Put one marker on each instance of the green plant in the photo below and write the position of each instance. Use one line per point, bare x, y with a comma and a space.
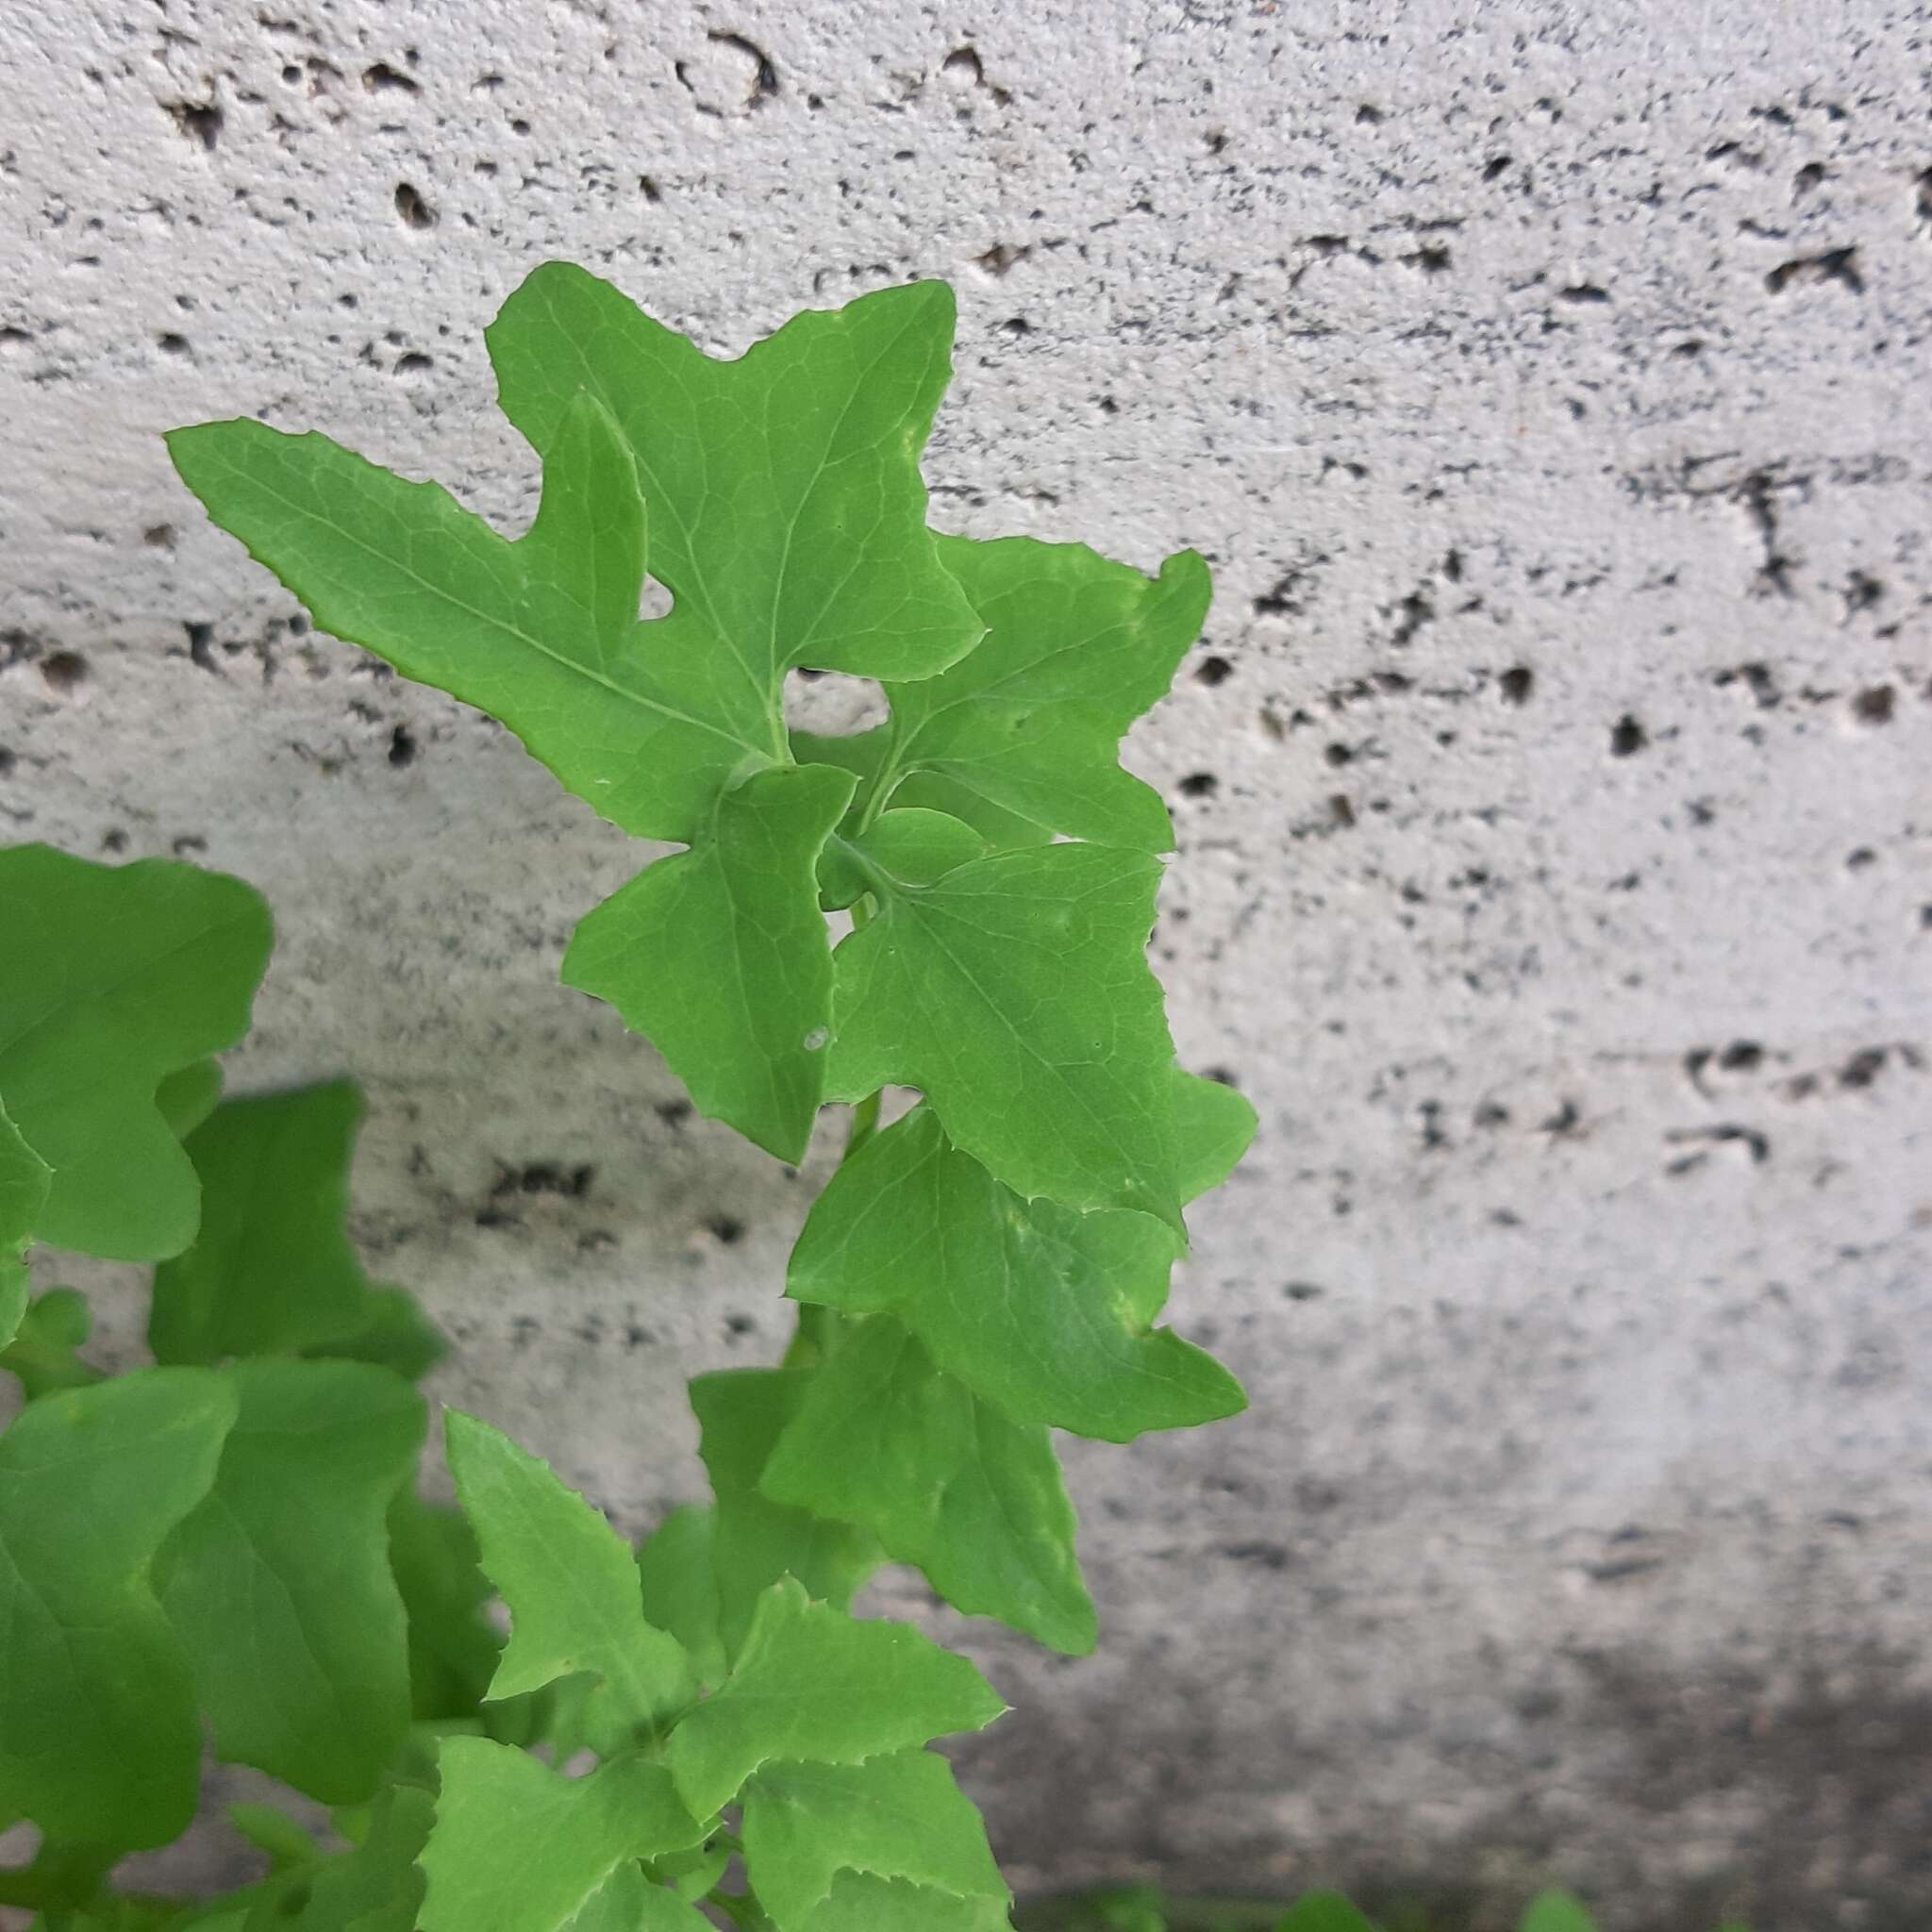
983, 1268
1142, 1908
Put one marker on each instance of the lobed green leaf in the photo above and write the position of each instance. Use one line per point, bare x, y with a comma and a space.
434, 1555
1045, 1312
1014, 990
742, 1413
720, 956
812, 1684
629, 1902
944, 1479
516, 1847
278, 1584
862, 1903
271, 1270
675, 1567
376, 1887
99, 1739
118, 976
815, 553
1077, 647
898, 1816
815, 550
43, 1355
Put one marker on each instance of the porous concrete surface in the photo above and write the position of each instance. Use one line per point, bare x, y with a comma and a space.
1548, 385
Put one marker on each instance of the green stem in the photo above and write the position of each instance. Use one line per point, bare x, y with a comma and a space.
885, 781
865, 1115
816, 1325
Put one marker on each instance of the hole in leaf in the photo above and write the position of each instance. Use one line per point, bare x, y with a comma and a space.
831, 704
654, 601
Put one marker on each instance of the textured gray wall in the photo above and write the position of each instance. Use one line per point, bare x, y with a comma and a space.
1549, 388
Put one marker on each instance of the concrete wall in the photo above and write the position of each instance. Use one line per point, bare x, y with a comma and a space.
1549, 387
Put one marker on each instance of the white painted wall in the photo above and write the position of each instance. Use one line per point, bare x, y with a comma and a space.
1543, 381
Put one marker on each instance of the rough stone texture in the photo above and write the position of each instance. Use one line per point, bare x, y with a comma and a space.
1548, 385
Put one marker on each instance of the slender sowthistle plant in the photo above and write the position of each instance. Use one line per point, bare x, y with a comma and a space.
984, 1269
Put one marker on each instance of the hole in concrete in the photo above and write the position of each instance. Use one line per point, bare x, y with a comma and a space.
414, 211
1213, 671
199, 121
1840, 265
64, 672
1627, 737
764, 81
1862, 1068
402, 747
383, 78
1876, 706
961, 69
1003, 258
1517, 683
1200, 785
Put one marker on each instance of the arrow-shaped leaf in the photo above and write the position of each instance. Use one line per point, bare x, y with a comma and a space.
719, 957
571, 1586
